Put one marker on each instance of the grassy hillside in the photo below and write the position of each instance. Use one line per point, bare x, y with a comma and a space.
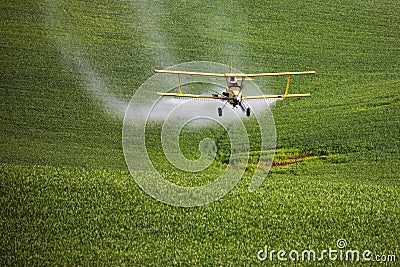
68, 69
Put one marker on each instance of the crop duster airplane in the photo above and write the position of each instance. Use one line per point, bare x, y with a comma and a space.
233, 93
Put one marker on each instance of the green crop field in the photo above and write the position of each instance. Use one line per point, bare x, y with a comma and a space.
69, 68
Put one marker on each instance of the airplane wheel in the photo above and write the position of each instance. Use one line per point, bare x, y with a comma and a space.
248, 112
220, 112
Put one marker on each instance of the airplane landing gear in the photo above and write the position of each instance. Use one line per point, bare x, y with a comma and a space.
245, 109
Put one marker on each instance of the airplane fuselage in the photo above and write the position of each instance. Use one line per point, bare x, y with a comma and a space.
235, 95
233, 91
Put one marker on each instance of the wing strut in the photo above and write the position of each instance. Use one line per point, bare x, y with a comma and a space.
287, 85
179, 83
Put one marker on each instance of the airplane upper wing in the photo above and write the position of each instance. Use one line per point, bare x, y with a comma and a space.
270, 74
191, 73
243, 75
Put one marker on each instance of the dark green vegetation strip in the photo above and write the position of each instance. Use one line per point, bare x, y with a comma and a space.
67, 67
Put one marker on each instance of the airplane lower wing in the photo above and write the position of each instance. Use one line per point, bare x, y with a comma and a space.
193, 96
226, 98
274, 96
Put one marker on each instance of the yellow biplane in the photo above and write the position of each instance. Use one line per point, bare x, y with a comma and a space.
233, 93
